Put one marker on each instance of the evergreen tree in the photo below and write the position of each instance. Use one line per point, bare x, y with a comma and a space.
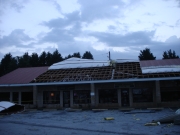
67, 57
170, 55
49, 60
87, 55
77, 55
34, 60
56, 57
146, 55
24, 61
42, 59
8, 64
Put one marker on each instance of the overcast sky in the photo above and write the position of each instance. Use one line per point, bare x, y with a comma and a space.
123, 27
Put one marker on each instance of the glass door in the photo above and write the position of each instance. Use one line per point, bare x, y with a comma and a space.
125, 97
66, 99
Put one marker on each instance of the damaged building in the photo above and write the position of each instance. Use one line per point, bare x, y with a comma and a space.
83, 83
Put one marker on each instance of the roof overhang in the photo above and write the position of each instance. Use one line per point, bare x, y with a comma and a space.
88, 82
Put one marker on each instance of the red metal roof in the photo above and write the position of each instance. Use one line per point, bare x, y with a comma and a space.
166, 62
22, 75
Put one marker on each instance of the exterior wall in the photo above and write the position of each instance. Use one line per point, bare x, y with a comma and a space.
105, 86
172, 90
84, 87
157, 87
60, 89
150, 85
19, 90
16, 89
40, 90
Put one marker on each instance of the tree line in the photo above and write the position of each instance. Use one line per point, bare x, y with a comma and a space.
10, 63
147, 55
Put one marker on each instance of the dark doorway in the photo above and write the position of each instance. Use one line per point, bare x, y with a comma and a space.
66, 99
125, 97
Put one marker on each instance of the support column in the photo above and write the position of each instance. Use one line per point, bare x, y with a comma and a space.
93, 99
119, 97
158, 93
71, 98
39, 98
61, 98
35, 96
11, 97
96, 97
130, 97
19, 102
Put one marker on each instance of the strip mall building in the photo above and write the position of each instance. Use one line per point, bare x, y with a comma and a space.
82, 83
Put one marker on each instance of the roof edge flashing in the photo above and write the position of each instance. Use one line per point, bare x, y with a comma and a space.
87, 82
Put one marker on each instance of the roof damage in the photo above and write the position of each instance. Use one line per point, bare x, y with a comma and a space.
76, 70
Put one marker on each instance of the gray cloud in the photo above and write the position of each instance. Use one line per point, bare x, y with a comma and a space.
15, 38
178, 3
129, 39
63, 30
57, 35
134, 40
59, 28
69, 19
100, 9
149, 14
172, 43
17, 5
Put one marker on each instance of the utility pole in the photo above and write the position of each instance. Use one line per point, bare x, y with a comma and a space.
109, 56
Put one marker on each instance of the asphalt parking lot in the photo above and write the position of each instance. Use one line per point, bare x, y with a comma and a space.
61, 122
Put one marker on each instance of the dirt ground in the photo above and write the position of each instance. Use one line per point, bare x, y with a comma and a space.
61, 122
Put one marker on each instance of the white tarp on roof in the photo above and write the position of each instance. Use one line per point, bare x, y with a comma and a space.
160, 69
78, 63
5, 104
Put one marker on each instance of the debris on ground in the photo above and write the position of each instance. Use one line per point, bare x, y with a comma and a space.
126, 109
151, 124
177, 120
108, 118
178, 111
156, 109
72, 110
140, 111
169, 125
99, 110
174, 118
10, 108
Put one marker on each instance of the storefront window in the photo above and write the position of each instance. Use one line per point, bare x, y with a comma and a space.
27, 97
51, 97
170, 94
15, 97
142, 95
4, 96
81, 97
108, 96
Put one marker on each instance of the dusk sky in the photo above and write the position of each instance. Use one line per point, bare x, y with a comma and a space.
123, 27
